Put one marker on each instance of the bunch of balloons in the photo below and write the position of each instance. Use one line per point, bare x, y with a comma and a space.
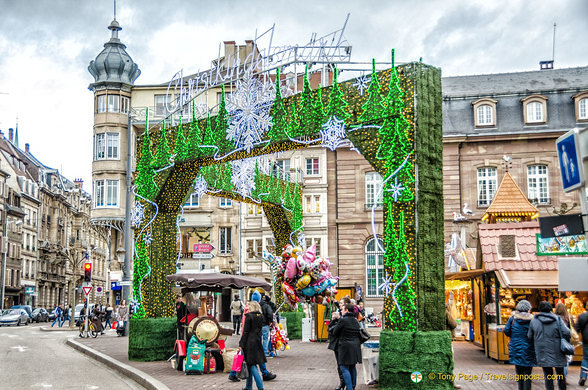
302, 274
279, 338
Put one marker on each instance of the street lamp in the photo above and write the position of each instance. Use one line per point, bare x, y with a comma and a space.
4, 250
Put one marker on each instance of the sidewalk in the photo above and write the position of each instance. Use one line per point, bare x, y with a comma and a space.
305, 366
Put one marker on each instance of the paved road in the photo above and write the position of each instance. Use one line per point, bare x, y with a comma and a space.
32, 359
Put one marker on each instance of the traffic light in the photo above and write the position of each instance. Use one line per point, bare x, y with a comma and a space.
87, 272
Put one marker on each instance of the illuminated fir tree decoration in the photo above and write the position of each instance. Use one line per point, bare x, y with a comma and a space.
140, 270
279, 128
337, 104
306, 110
163, 152
320, 116
146, 186
219, 136
294, 123
209, 138
181, 148
373, 108
194, 136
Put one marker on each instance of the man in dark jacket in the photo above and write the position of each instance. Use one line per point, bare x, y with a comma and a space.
582, 329
546, 331
268, 316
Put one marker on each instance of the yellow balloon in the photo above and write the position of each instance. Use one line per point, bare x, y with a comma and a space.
296, 250
303, 282
287, 347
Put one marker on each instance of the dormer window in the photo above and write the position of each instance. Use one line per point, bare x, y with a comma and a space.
534, 109
485, 112
581, 104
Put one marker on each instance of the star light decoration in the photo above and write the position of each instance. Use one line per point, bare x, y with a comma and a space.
243, 176
396, 189
137, 213
362, 83
200, 186
387, 284
333, 133
249, 111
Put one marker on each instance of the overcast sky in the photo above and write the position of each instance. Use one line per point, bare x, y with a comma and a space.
45, 48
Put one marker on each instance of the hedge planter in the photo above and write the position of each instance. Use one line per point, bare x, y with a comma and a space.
402, 353
294, 324
151, 339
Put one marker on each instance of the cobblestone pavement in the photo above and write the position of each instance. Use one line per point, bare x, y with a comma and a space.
312, 366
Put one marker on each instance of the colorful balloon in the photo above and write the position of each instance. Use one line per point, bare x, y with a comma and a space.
310, 254
291, 268
303, 282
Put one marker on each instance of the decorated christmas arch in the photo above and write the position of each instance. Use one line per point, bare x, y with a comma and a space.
392, 117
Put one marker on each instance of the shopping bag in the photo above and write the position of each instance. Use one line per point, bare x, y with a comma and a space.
244, 373
195, 357
114, 325
237, 362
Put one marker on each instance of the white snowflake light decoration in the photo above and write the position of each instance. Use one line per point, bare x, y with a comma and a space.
200, 186
301, 240
249, 110
362, 83
243, 176
137, 213
386, 285
147, 239
396, 189
333, 133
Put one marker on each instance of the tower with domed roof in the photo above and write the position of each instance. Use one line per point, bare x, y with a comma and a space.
114, 73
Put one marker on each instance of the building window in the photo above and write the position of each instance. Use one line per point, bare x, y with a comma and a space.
314, 241
487, 185
282, 169
254, 249
106, 193
581, 103
373, 187
507, 247
270, 245
100, 103
224, 240
193, 200
113, 103
485, 112
312, 166
253, 209
537, 183
534, 109
125, 103
161, 102
374, 260
225, 202
106, 146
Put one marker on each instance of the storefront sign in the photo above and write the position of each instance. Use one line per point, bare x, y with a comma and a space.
30, 290
114, 286
203, 248
563, 245
561, 225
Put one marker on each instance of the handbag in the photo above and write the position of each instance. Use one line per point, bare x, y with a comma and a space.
244, 373
237, 362
565, 347
363, 335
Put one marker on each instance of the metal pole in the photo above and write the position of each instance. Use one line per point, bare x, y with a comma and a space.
4, 239
128, 239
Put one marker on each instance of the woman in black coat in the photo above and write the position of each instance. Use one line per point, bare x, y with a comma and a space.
251, 346
521, 351
348, 345
333, 343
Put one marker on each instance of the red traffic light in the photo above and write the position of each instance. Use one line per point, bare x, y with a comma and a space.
88, 267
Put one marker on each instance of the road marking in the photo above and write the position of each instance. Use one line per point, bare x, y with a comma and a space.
43, 385
20, 348
92, 387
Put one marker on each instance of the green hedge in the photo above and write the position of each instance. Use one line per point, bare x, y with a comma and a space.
402, 353
151, 339
294, 323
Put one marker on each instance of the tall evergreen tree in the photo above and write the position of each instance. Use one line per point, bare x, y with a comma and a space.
163, 151
306, 110
373, 107
279, 128
181, 148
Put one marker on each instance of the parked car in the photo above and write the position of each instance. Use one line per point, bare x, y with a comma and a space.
77, 311
28, 309
15, 317
40, 315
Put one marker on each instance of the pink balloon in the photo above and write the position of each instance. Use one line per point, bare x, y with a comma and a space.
310, 254
291, 268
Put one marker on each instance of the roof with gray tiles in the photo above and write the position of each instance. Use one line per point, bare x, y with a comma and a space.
558, 85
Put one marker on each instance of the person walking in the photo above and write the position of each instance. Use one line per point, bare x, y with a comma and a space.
521, 351
268, 316
333, 343
236, 311
582, 329
256, 297
562, 312
250, 344
546, 330
96, 318
57, 312
108, 317
66, 316
348, 345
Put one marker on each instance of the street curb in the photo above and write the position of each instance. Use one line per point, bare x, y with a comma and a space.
138, 376
53, 329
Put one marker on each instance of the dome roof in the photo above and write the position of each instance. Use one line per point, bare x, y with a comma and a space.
113, 65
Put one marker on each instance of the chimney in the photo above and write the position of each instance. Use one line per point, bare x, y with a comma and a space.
78, 182
27, 149
10, 134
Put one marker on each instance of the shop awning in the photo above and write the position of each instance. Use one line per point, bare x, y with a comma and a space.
214, 281
528, 279
464, 275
